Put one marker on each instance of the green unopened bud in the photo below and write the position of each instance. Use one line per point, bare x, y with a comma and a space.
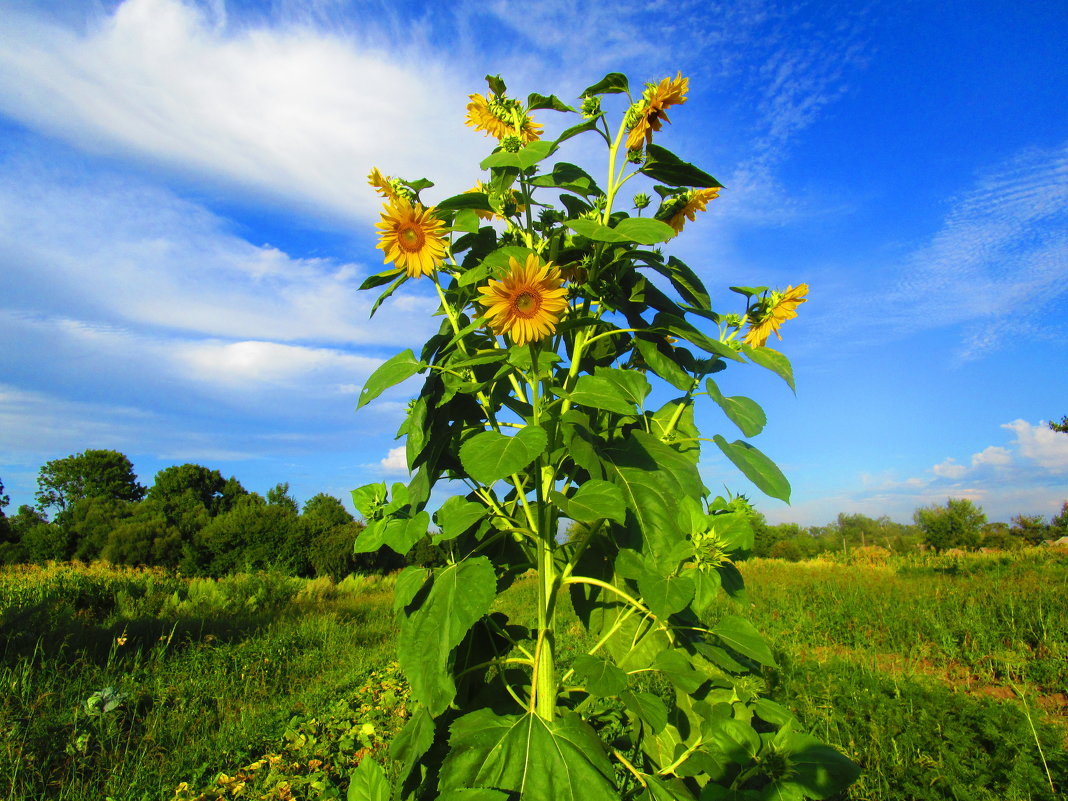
635, 156
548, 216
633, 115
511, 143
591, 106
400, 189
734, 320
641, 200
600, 202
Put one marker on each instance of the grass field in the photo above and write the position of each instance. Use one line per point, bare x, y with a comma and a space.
943, 678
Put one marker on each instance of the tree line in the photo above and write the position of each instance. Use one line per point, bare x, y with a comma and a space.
959, 523
91, 506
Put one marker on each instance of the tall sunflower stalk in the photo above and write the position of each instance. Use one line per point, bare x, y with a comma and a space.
538, 408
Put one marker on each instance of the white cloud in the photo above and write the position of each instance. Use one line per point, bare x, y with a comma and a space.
298, 113
992, 455
1000, 262
949, 469
395, 461
1041, 444
102, 247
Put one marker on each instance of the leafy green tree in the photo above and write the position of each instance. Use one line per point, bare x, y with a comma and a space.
322, 512
6, 532
996, 535
207, 486
1031, 529
45, 542
1058, 524
278, 495
254, 535
89, 522
92, 474
1062, 426
958, 524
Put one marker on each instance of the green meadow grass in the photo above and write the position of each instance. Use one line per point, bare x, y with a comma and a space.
936, 676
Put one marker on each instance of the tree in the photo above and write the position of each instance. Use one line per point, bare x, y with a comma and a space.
5, 526
1062, 426
90, 521
1058, 524
278, 495
956, 525
92, 474
1031, 529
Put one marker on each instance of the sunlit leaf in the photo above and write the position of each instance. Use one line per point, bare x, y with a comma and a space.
757, 467
459, 595
537, 759
402, 366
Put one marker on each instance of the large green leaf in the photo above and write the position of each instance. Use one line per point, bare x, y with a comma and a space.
540, 760
473, 794
743, 412
570, 177
457, 515
648, 708
612, 83
599, 392
677, 326
398, 533
632, 385
653, 478
772, 360
739, 634
599, 676
468, 200
663, 165
489, 456
403, 365
642, 230
757, 467
536, 101
596, 500
526, 157
645, 230
666, 595
459, 595
663, 365
818, 770
412, 741
368, 782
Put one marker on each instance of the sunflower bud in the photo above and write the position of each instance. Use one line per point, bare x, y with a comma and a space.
641, 200
591, 106
511, 143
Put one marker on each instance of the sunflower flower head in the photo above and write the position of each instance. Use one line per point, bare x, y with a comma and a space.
772, 312
500, 116
411, 237
527, 303
644, 116
389, 188
688, 204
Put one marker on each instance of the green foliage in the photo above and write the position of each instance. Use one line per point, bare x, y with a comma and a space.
274, 688
540, 399
958, 524
92, 474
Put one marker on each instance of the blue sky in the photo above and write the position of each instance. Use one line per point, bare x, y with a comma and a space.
184, 220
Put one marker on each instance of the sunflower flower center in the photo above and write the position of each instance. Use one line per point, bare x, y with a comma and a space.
410, 237
526, 304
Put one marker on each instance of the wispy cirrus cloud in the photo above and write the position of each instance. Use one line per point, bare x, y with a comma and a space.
294, 113
999, 264
110, 249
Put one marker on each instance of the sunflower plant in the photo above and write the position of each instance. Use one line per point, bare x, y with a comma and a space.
558, 396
